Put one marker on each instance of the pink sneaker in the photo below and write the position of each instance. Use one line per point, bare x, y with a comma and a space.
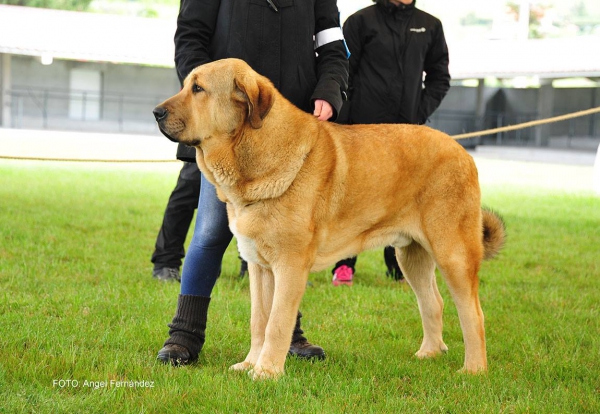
342, 276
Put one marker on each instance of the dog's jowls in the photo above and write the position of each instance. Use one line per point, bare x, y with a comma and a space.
302, 194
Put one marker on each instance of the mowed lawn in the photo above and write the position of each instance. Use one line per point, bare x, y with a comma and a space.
81, 318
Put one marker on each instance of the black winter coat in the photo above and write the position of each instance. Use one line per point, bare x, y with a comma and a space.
391, 46
278, 44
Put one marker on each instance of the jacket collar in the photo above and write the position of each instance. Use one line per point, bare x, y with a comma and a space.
390, 8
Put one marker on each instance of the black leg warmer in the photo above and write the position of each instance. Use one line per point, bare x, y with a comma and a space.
188, 325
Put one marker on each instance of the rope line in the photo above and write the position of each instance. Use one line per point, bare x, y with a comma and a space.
9, 157
528, 124
459, 136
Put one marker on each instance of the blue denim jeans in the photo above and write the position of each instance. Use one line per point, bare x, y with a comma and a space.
202, 264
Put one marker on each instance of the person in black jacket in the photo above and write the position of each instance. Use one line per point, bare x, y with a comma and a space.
392, 44
169, 247
299, 46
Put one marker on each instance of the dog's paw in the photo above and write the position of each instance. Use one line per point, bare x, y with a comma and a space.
258, 373
431, 351
473, 369
241, 366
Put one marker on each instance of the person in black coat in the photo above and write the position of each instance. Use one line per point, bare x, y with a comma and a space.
392, 44
299, 46
169, 247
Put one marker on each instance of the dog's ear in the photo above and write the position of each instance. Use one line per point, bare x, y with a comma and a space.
257, 92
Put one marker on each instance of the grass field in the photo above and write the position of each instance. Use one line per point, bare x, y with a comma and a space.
81, 316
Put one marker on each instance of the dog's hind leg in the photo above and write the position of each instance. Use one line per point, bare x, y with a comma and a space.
418, 268
459, 264
261, 294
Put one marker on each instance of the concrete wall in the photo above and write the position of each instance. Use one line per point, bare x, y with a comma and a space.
40, 95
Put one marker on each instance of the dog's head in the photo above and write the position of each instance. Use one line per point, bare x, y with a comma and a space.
218, 99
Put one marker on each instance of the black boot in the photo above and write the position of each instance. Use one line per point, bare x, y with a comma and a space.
300, 346
186, 333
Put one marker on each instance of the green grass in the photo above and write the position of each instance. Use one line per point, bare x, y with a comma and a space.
78, 303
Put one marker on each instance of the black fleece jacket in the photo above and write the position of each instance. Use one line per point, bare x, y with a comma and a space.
391, 46
274, 37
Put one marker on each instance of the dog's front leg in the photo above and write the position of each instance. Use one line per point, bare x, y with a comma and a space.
289, 286
261, 298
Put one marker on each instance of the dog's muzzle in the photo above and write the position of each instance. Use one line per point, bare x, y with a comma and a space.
160, 114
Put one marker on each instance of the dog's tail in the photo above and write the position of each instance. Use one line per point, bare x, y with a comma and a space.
494, 233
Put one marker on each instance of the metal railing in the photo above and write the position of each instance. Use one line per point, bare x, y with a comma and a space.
82, 110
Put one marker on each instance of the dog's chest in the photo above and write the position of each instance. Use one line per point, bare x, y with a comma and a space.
246, 245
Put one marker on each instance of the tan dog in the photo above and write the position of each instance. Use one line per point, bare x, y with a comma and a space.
302, 194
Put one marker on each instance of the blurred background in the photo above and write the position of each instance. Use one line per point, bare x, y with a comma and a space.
102, 65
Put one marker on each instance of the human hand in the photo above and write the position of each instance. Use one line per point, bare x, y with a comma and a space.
323, 110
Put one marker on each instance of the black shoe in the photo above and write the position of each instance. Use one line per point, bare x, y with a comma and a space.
304, 349
395, 274
243, 268
167, 274
175, 355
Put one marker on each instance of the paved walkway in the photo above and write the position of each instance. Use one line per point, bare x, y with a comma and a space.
84, 145
545, 155
540, 168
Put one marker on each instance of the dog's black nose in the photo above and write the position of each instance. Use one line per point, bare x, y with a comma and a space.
160, 113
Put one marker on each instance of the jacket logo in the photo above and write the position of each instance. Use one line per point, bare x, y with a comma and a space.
419, 30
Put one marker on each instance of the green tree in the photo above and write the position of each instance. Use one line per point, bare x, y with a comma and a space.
537, 12
78, 5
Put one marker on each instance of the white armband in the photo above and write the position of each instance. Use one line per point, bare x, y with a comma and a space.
328, 36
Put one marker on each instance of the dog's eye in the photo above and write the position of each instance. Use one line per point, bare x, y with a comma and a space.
196, 88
